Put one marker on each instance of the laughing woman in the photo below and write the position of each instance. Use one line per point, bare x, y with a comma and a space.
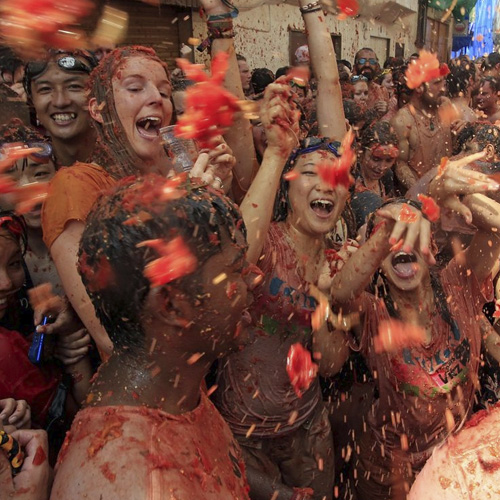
426, 385
129, 101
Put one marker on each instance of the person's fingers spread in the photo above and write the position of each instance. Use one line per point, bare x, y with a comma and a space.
397, 232
467, 159
454, 204
411, 236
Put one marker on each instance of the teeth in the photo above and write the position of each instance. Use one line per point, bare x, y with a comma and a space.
149, 121
62, 117
323, 203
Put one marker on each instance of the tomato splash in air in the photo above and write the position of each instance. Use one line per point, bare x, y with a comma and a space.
29, 26
429, 207
348, 8
175, 261
393, 335
291, 175
407, 215
209, 106
424, 69
337, 172
300, 368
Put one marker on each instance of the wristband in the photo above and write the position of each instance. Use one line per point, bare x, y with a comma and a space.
310, 7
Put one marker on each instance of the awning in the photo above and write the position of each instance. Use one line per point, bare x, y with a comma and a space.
461, 41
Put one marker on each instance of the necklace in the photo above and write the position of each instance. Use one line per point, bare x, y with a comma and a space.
427, 119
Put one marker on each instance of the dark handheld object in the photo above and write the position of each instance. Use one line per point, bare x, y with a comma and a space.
36, 348
14, 452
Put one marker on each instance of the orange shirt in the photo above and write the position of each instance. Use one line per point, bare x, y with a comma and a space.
72, 194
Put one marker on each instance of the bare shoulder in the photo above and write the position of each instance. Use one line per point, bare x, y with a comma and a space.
402, 121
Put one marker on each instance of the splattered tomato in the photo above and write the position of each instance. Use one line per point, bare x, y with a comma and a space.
300, 368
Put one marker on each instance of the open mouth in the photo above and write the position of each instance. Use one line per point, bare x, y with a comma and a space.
322, 208
148, 126
405, 265
63, 118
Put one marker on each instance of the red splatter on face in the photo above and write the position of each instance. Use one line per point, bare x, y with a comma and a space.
338, 172
300, 368
40, 456
209, 107
291, 176
429, 207
176, 260
424, 69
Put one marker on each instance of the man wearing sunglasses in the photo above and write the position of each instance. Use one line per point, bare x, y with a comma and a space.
56, 89
366, 64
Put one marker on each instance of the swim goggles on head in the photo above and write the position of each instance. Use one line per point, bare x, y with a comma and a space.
358, 78
43, 154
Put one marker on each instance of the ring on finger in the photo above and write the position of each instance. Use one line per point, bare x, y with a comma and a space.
219, 180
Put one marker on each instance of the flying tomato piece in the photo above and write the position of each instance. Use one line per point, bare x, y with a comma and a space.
424, 69
429, 207
407, 215
27, 197
210, 107
175, 261
300, 368
348, 7
338, 172
291, 175
393, 335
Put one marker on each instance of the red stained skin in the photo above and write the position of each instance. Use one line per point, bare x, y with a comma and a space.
291, 176
40, 456
112, 430
106, 472
209, 107
429, 207
300, 368
159, 462
176, 260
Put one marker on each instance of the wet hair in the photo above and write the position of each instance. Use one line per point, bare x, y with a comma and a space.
458, 80
113, 151
282, 71
491, 61
261, 78
345, 62
307, 145
487, 133
17, 131
15, 225
494, 84
466, 134
379, 132
239, 57
352, 111
112, 265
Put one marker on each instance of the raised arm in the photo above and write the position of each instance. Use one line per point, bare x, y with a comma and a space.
403, 172
330, 111
280, 120
239, 136
483, 252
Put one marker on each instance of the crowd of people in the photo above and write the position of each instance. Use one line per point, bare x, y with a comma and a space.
178, 387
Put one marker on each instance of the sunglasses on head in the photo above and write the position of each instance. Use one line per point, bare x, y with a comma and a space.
364, 60
358, 78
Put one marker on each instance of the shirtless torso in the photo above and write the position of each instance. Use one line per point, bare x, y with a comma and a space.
423, 141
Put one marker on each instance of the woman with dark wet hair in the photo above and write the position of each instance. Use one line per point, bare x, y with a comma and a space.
146, 409
426, 375
378, 152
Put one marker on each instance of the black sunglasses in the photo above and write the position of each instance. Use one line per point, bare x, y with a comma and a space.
363, 60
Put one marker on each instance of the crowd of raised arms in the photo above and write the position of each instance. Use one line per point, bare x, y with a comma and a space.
251, 329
